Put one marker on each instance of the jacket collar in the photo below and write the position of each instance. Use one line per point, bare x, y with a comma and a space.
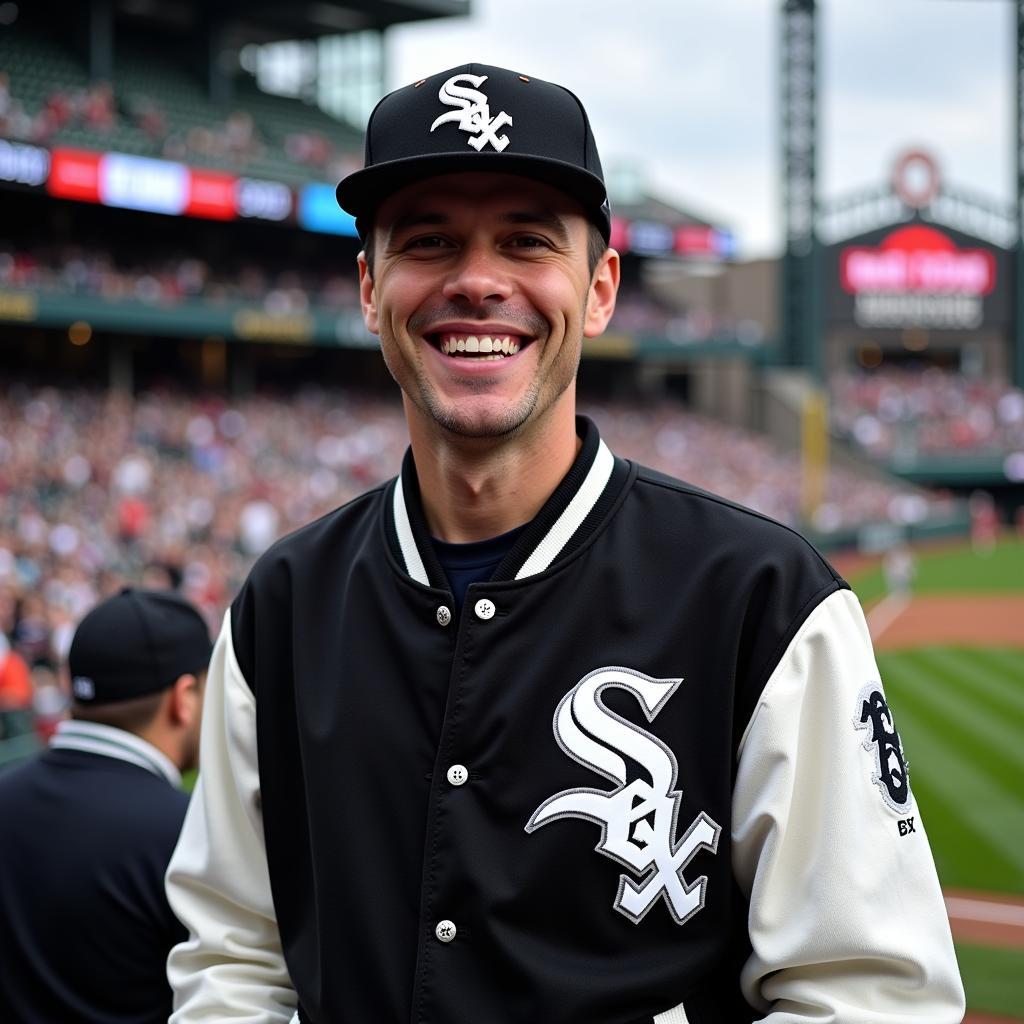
575, 509
94, 738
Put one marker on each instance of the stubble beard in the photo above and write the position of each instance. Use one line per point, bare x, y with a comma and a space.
504, 423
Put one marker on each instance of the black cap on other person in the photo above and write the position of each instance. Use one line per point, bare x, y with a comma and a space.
134, 644
478, 118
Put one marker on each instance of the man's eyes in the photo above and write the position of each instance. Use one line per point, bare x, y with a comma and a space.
427, 242
440, 242
529, 242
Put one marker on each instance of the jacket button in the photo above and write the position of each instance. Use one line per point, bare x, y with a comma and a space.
444, 615
445, 931
484, 609
457, 774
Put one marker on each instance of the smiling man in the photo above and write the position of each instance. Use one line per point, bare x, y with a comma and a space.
532, 733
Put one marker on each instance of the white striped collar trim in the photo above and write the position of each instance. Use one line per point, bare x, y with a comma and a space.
94, 738
410, 553
573, 515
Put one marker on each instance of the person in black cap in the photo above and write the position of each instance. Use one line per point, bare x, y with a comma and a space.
532, 733
88, 826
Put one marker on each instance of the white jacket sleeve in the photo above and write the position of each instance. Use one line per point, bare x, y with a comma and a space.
231, 967
847, 921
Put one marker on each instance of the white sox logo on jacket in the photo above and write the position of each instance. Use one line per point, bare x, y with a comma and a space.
628, 833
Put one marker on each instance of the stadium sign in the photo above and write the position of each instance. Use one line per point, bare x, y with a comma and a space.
918, 275
160, 186
662, 240
22, 164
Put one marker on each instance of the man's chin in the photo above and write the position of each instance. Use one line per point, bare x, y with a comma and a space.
481, 424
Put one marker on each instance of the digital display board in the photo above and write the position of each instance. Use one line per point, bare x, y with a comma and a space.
177, 190
22, 164
163, 186
658, 239
918, 275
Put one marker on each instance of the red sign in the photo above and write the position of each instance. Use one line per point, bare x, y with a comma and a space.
211, 194
619, 234
696, 238
917, 259
74, 174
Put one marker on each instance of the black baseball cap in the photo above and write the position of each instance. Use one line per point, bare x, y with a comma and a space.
478, 118
136, 643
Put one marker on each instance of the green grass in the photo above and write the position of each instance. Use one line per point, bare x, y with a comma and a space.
960, 713
993, 979
955, 570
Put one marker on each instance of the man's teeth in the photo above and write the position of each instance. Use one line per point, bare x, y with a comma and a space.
494, 348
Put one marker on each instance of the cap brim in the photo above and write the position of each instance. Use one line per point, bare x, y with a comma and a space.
363, 191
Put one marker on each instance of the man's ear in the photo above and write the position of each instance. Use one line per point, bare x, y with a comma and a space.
367, 295
604, 286
185, 704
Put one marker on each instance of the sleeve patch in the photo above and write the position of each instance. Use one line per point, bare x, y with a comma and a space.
889, 769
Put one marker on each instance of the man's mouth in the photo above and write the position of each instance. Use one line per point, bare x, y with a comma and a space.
477, 346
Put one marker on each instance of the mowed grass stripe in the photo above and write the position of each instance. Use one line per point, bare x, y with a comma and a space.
993, 979
990, 739
1008, 661
996, 682
966, 852
964, 680
973, 823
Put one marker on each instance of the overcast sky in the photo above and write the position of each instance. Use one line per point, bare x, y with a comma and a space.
686, 91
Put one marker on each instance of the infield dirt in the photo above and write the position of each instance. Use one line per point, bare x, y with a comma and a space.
969, 620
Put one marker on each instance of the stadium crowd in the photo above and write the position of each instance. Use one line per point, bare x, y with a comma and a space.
904, 413
177, 278
80, 270
99, 489
98, 108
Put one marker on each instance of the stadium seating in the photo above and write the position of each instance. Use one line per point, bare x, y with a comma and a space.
186, 124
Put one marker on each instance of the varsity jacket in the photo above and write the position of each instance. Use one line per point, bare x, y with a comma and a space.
647, 774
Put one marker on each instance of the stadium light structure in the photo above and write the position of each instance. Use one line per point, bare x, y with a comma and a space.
800, 318
800, 309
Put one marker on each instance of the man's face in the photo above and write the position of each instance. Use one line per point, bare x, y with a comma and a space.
482, 295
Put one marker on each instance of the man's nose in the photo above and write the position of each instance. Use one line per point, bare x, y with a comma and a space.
479, 275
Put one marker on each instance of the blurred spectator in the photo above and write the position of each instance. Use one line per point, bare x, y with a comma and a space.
15, 684
903, 414
240, 136
98, 110
899, 570
309, 148
984, 522
148, 117
5, 96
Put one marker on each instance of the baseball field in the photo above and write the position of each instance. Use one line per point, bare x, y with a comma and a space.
951, 655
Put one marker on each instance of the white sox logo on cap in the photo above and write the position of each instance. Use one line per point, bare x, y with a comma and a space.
474, 113
638, 819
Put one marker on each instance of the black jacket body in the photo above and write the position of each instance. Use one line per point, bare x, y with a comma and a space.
85, 926
365, 698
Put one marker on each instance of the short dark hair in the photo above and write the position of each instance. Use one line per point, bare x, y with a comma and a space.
596, 246
132, 715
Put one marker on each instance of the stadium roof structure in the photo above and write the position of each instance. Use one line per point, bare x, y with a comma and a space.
257, 21
648, 207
